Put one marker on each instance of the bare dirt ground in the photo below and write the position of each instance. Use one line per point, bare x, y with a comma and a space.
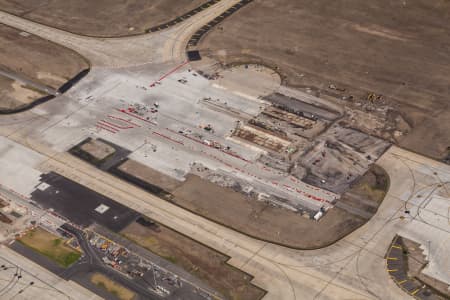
112, 287
149, 175
339, 157
195, 258
262, 220
98, 149
346, 51
37, 59
366, 194
101, 17
13, 94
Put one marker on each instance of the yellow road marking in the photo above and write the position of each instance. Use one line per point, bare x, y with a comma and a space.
392, 258
415, 292
395, 246
393, 270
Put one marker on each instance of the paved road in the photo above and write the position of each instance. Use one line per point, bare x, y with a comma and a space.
95, 263
47, 286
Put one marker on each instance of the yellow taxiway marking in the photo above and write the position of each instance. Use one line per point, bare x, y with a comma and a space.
415, 292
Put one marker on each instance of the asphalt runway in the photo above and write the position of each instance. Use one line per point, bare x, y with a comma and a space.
78, 203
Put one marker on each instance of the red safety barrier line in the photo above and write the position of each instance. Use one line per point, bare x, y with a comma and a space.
289, 188
167, 137
123, 120
117, 126
135, 116
169, 73
107, 126
210, 146
104, 128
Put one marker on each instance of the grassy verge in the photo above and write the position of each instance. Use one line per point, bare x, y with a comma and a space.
50, 246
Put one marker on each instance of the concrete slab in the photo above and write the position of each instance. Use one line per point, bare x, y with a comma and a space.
17, 160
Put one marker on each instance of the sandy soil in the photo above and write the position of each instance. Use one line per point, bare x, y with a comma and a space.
100, 17
366, 194
150, 175
33, 59
13, 94
395, 49
98, 149
37, 59
262, 220
197, 259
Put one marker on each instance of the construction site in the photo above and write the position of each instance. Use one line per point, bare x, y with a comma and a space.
286, 151
338, 52
224, 149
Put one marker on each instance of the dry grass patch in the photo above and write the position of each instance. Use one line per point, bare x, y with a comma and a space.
100, 17
112, 287
50, 246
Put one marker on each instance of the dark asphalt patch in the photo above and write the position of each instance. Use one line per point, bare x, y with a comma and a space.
78, 203
298, 107
64, 88
69, 84
397, 267
112, 163
27, 106
194, 55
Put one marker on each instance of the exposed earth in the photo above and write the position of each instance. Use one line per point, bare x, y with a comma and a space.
267, 222
100, 18
31, 66
38, 59
14, 94
386, 61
